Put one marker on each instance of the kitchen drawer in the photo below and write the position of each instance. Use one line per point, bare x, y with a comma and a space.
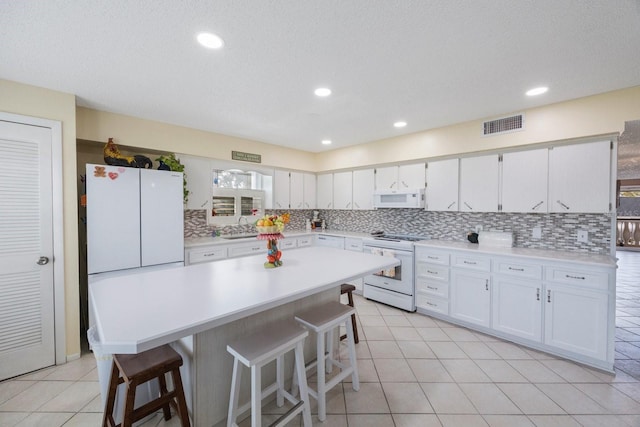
243, 250
438, 289
352, 244
471, 261
432, 271
432, 256
530, 271
206, 255
305, 241
431, 303
582, 278
287, 243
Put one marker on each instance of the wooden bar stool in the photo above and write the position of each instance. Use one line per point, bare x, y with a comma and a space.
256, 350
348, 289
323, 320
136, 369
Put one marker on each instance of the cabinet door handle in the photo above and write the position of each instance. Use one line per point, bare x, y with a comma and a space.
562, 204
537, 294
393, 184
328, 205
348, 204
486, 284
537, 205
467, 205
405, 184
452, 203
356, 205
549, 296
568, 276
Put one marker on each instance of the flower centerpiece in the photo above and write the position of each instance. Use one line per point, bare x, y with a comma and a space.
270, 228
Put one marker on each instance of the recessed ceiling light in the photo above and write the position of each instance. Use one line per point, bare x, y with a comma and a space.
400, 124
537, 91
322, 91
326, 142
210, 40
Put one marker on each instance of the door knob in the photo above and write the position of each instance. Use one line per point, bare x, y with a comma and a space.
43, 260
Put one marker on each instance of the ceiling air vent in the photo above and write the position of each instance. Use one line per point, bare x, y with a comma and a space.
503, 125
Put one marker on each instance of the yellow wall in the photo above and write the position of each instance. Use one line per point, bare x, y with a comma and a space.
94, 125
594, 115
47, 104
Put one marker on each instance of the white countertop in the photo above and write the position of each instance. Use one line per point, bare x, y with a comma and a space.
193, 242
542, 254
141, 311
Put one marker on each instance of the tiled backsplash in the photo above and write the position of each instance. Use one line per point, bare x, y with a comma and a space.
558, 230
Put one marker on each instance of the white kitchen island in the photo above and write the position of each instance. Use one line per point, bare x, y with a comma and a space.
217, 302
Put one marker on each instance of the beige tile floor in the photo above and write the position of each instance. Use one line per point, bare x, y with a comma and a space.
414, 371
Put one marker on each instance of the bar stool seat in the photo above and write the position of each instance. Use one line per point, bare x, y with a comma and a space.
347, 288
323, 320
136, 369
255, 351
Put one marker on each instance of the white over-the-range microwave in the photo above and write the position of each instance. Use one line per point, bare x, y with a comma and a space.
404, 198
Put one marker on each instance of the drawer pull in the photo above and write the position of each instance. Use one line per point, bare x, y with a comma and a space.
469, 262
432, 257
516, 269
568, 276
432, 272
537, 294
432, 304
432, 288
209, 254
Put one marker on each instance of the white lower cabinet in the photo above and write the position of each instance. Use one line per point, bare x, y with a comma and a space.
576, 320
471, 296
517, 307
355, 245
559, 304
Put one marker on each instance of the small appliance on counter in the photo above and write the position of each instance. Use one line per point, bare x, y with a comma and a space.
316, 223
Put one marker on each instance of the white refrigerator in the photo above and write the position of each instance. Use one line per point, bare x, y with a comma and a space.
135, 223
135, 218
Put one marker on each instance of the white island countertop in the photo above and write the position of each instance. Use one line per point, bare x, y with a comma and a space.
141, 311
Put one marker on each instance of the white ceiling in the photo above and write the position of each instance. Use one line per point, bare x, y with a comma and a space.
428, 62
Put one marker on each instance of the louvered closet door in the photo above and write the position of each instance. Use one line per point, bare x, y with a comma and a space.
26, 235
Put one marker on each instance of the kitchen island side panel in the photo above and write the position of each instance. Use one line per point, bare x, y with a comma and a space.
213, 365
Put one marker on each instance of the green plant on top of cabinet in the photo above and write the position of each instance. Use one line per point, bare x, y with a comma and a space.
400, 177
479, 183
442, 185
580, 177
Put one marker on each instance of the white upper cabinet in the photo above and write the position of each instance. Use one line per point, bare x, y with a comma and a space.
343, 190
442, 185
580, 177
411, 176
296, 190
309, 190
524, 181
325, 191
363, 186
198, 175
400, 177
479, 184
387, 178
281, 189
